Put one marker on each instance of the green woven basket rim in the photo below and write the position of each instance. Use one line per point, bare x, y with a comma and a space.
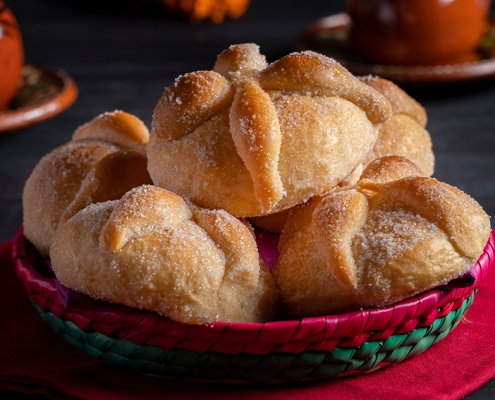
250, 368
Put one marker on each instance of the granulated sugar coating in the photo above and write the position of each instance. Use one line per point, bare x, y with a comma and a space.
53, 185
150, 250
384, 241
255, 139
377, 242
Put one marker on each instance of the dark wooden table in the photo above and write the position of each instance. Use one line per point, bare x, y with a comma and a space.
123, 53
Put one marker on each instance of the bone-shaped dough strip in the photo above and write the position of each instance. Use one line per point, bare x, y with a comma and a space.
400, 101
312, 74
335, 240
110, 179
242, 265
256, 134
452, 210
189, 102
141, 208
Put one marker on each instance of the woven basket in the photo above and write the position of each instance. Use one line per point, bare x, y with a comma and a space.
311, 348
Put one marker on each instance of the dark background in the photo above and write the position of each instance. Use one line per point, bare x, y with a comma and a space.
122, 54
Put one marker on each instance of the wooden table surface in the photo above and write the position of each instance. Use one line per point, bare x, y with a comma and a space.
123, 53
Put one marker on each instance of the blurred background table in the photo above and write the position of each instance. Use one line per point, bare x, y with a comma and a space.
123, 53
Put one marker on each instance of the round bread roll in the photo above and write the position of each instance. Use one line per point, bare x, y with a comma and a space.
404, 134
152, 251
104, 160
256, 139
377, 243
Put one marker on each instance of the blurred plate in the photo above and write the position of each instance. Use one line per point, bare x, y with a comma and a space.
43, 93
330, 36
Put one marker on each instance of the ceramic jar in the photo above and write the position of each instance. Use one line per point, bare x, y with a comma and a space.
417, 32
11, 56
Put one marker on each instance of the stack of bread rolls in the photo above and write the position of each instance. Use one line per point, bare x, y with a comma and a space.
339, 166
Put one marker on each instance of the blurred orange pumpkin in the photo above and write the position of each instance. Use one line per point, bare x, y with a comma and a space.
11, 56
418, 32
215, 10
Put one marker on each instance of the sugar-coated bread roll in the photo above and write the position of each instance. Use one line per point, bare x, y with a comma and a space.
150, 250
104, 160
256, 139
404, 134
376, 243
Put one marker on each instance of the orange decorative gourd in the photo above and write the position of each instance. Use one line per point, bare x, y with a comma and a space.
11, 56
215, 10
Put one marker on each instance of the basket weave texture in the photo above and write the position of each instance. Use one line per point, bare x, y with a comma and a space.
311, 348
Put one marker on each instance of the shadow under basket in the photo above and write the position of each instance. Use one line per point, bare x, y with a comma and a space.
312, 348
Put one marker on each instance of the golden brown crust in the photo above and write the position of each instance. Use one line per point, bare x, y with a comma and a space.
314, 74
376, 243
150, 250
298, 217
255, 140
189, 102
390, 168
117, 127
109, 179
86, 170
336, 249
404, 134
383, 169
353, 177
254, 124
400, 101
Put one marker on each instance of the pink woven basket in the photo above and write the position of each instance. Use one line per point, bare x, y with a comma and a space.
311, 348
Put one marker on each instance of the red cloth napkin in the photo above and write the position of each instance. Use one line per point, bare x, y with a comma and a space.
34, 359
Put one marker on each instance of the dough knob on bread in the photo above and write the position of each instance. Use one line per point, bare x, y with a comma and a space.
150, 250
263, 137
237, 57
378, 242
